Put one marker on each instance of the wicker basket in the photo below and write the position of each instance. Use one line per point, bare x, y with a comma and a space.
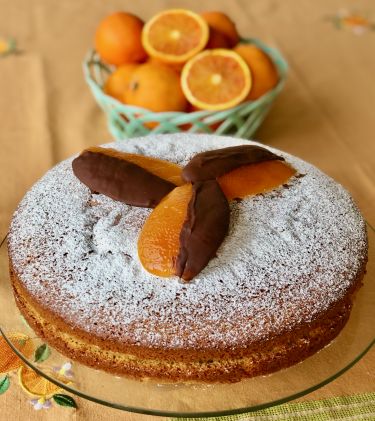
126, 121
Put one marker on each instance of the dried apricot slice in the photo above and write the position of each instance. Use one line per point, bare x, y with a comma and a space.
255, 178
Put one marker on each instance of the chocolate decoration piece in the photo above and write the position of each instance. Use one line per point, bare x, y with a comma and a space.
212, 164
104, 171
204, 229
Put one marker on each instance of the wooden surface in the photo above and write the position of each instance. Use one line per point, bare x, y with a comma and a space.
325, 115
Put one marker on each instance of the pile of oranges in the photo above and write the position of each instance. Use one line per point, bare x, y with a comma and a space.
181, 61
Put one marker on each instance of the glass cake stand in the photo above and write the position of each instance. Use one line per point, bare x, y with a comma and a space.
195, 400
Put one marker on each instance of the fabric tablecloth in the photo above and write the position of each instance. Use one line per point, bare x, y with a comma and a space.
325, 115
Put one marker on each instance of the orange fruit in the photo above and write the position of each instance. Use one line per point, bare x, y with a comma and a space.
263, 71
177, 67
175, 35
36, 385
118, 81
118, 39
159, 240
217, 40
254, 179
156, 88
8, 359
216, 79
220, 22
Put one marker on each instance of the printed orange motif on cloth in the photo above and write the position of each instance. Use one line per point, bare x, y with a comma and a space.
38, 387
8, 359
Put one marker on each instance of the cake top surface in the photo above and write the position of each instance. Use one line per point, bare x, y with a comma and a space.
289, 254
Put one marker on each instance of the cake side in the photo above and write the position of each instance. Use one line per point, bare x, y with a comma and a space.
194, 365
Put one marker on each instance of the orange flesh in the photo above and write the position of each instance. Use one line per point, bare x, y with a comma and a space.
175, 34
255, 179
163, 169
216, 79
159, 241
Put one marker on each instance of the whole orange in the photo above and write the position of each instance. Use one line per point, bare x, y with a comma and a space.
222, 23
118, 39
155, 87
118, 81
263, 71
177, 67
217, 40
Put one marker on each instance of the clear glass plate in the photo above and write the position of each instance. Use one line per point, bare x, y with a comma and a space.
196, 400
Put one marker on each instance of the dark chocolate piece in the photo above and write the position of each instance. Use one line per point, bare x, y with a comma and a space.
212, 164
204, 229
104, 172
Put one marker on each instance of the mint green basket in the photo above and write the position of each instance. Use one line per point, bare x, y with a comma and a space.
125, 121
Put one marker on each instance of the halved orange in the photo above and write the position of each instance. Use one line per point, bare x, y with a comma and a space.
216, 79
175, 35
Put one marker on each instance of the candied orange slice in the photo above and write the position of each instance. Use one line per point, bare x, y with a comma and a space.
8, 359
254, 179
164, 169
216, 79
175, 35
159, 241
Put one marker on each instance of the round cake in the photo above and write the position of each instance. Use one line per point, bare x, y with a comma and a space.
280, 288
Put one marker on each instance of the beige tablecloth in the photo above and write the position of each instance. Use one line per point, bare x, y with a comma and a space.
325, 115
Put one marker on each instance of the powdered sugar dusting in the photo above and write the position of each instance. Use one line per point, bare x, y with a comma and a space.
288, 256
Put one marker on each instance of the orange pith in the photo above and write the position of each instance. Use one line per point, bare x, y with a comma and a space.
159, 240
175, 35
163, 169
254, 179
216, 79
8, 359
